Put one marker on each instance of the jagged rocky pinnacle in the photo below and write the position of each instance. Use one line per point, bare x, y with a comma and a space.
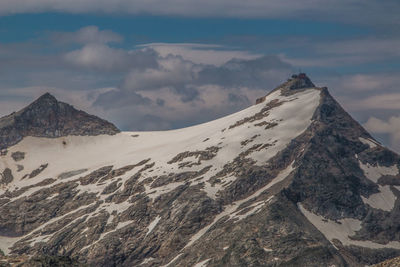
47, 117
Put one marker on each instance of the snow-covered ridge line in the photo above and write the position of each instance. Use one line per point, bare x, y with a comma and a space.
70, 153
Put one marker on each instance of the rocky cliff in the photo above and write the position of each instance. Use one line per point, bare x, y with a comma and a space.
47, 117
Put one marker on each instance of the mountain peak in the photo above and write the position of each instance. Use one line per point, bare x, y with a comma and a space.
299, 81
48, 117
295, 82
45, 100
46, 96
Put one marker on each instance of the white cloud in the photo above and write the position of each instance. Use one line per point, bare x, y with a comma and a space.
98, 56
211, 102
366, 83
201, 53
382, 102
105, 58
186, 78
179, 92
172, 72
391, 127
85, 35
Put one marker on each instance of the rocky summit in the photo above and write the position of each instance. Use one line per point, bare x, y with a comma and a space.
290, 181
47, 117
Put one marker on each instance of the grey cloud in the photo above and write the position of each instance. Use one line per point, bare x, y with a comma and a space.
311, 52
177, 73
172, 71
175, 95
390, 127
363, 84
85, 35
120, 98
186, 79
188, 93
382, 101
102, 57
264, 72
238, 99
376, 47
372, 12
150, 122
160, 102
170, 115
365, 92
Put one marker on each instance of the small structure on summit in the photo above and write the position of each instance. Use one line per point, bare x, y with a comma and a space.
295, 82
3, 152
299, 81
302, 75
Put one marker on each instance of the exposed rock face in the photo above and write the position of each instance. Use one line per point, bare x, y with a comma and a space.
38, 261
47, 117
294, 182
389, 263
292, 86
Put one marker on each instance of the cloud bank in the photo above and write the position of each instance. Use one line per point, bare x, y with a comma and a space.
161, 86
371, 12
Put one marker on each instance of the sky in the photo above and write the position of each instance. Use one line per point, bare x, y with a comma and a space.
166, 64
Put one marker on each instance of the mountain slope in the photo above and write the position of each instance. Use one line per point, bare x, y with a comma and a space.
47, 117
290, 181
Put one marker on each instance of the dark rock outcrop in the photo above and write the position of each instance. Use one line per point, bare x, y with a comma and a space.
47, 117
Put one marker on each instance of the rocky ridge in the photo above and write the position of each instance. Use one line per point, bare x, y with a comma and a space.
47, 117
290, 181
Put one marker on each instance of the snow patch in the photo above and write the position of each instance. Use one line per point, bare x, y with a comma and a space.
41, 238
202, 263
147, 260
371, 143
7, 242
383, 200
252, 209
343, 230
153, 193
153, 224
375, 172
293, 117
173, 260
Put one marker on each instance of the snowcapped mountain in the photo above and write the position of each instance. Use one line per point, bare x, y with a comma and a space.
290, 181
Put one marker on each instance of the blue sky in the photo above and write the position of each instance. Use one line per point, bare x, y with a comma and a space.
22, 27
172, 64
